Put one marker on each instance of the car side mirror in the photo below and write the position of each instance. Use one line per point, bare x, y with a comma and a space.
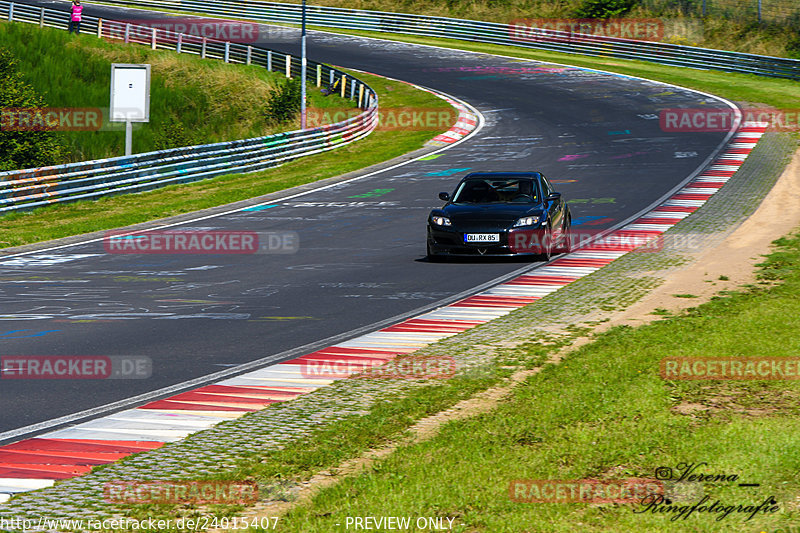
554, 196
444, 196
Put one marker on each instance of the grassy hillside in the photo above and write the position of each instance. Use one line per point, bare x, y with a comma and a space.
192, 101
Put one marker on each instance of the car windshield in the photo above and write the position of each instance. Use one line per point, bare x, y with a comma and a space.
497, 191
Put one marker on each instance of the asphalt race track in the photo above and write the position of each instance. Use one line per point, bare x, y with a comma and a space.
362, 243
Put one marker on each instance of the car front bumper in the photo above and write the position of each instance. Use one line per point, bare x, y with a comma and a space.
515, 242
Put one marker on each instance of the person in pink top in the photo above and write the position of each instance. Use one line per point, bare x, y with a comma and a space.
75, 16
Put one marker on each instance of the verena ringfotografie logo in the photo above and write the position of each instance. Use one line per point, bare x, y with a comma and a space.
401, 368
695, 500
181, 492
192, 30
75, 367
389, 118
201, 242
570, 30
632, 490
730, 368
50, 118
698, 120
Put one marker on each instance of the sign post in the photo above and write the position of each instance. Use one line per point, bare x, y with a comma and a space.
303, 68
130, 97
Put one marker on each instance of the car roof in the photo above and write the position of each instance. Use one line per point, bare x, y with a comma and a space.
501, 175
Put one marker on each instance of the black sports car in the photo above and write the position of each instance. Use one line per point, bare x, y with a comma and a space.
500, 213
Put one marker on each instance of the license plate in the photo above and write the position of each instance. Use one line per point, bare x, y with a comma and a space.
481, 237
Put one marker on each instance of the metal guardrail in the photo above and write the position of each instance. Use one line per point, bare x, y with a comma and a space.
779, 12
486, 32
31, 188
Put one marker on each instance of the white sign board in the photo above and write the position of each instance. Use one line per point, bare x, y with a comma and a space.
130, 93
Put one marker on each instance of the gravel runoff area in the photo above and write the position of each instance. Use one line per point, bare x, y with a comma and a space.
480, 351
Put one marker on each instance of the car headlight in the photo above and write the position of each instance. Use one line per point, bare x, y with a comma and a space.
526, 221
441, 221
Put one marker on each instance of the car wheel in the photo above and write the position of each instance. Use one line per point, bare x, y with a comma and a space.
431, 257
547, 245
566, 241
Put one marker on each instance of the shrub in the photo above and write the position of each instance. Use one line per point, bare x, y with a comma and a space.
23, 149
173, 135
284, 103
603, 9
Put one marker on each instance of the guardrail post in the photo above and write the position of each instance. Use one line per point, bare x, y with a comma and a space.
11, 12
319, 75
153, 39
330, 81
344, 84
227, 51
360, 94
203, 49
249, 54
128, 32
288, 66
269, 60
352, 90
99, 28
179, 44
41, 18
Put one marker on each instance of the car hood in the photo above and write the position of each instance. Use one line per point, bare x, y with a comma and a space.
496, 213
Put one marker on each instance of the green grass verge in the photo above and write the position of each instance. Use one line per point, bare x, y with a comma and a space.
605, 413
192, 100
277, 471
82, 217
